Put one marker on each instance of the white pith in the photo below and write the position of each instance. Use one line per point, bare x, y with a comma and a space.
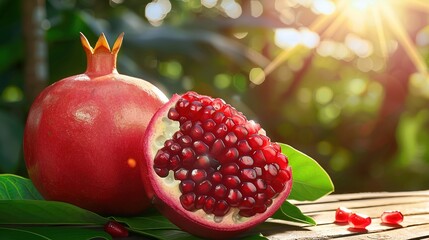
164, 131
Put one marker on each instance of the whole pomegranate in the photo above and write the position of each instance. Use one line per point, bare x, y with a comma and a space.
213, 172
81, 140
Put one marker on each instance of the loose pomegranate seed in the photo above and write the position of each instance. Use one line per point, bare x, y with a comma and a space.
360, 221
342, 214
115, 229
392, 217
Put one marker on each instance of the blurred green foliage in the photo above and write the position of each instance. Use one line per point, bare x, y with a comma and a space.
348, 119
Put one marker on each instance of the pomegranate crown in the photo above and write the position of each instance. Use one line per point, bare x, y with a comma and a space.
100, 59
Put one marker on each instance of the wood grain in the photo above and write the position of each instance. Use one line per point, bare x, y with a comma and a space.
414, 205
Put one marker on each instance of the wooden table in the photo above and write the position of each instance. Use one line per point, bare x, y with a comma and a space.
413, 205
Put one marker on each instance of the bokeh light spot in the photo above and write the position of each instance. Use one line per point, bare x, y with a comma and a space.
257, 76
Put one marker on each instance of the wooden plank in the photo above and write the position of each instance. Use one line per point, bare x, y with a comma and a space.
414, 206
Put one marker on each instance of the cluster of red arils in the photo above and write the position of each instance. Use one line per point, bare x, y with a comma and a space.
361, 221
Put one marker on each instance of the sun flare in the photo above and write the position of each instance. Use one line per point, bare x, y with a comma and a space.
376, 25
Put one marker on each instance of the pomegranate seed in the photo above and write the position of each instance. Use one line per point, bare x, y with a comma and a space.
270, 154
199, 203
177, 135
252, 127
221, 208
220, 191
202, 162
248, 174
243, 147
247, 212
276, 147
161, 159
162, 172
270, 172
204, 187
230, 139
173, 114
181, 174
231, 181
194, 108
230, 155
239, 119
245, 161
255, 141
174, 147
282, 160
221, 130
186, 186
116, 229
181, 106
188, 157
260, 199
185, 141
392, 217
248, 189
229, 123
200, 147
168, 143
360, 221
196, 132
234, 198
174, 162
218, 147
216, 177
278, 186
206, 100
342, 214
209, 125
209, 138
260, 184
209, 205
259, 158
186, 126
229, 169
258, 171
240, 131
198, 175
188, 201
260, 209
283, 175
218, 117
207, 112
218, 103
247, 203
270, 192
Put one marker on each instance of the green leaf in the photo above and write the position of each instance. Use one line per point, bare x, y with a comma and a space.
310, 180
153, 221
46, 212
58, 232
13, 187
171, 234
290, 212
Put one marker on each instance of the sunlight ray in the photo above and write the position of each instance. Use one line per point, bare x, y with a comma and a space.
317, 26
380, 32
398, 29
418, 5
335, 25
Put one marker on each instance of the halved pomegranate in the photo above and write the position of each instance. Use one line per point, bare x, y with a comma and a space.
213, 172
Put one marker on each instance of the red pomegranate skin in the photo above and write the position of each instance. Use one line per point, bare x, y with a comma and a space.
81, 139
